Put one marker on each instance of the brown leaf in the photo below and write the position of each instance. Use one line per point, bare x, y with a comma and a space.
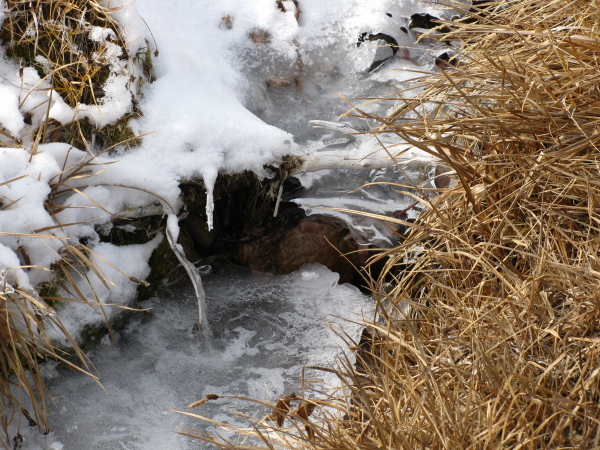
5, 334
310, 432
281, 409
259, 36
305, 409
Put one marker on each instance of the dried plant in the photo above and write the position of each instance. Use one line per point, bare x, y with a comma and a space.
76, 46
25, 318
56, 37
489, 330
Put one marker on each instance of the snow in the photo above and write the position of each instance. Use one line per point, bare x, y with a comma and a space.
117, 291
209, 111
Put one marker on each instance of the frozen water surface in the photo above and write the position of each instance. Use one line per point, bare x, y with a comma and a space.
266, 328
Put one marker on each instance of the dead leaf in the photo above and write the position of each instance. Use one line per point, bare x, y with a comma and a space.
305, 409
259, 36
281, 409
138, 281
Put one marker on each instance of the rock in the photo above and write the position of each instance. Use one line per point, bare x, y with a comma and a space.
316, 241
319, 239
197, 228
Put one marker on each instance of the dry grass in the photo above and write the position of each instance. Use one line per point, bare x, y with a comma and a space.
54, 37
25, 318
77, 47
500, 347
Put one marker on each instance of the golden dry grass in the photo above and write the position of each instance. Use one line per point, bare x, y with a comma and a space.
25, 318
500, 347
54, 36
77, 47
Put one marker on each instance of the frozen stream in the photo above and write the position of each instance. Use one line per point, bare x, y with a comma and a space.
266, 329
236, 86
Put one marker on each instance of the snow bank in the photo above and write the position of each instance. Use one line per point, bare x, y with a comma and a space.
215, 62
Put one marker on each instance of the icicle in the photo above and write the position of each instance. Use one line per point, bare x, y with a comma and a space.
209, 177
210, 206
192, 271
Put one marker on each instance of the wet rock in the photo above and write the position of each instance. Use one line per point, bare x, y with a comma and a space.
424, 20
313, 239
387, 47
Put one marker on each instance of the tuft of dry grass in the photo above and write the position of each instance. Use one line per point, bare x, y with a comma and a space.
56, 37
489, 312
25, 319
76, 46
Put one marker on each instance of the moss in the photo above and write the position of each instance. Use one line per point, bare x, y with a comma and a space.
61, 46
49, 292
84, 134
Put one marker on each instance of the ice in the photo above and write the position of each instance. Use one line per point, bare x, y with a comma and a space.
193, 273
237, 83
333, 67
385, 193
220, 104
266, 329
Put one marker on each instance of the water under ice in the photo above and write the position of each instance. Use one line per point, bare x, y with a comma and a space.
266, 328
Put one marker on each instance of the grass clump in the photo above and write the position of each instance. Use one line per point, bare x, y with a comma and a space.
25, 319
79, 49
491, 337
74, 40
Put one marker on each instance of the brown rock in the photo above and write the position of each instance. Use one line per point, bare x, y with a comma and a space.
258, 255
315, 239
320, 240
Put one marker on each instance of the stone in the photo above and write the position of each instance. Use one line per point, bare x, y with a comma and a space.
314, 239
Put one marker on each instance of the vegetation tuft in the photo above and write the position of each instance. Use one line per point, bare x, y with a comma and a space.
25, 321
490, 338
76, 46
56, 37
27, 316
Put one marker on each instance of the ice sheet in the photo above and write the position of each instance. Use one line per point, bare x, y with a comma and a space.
266, 328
